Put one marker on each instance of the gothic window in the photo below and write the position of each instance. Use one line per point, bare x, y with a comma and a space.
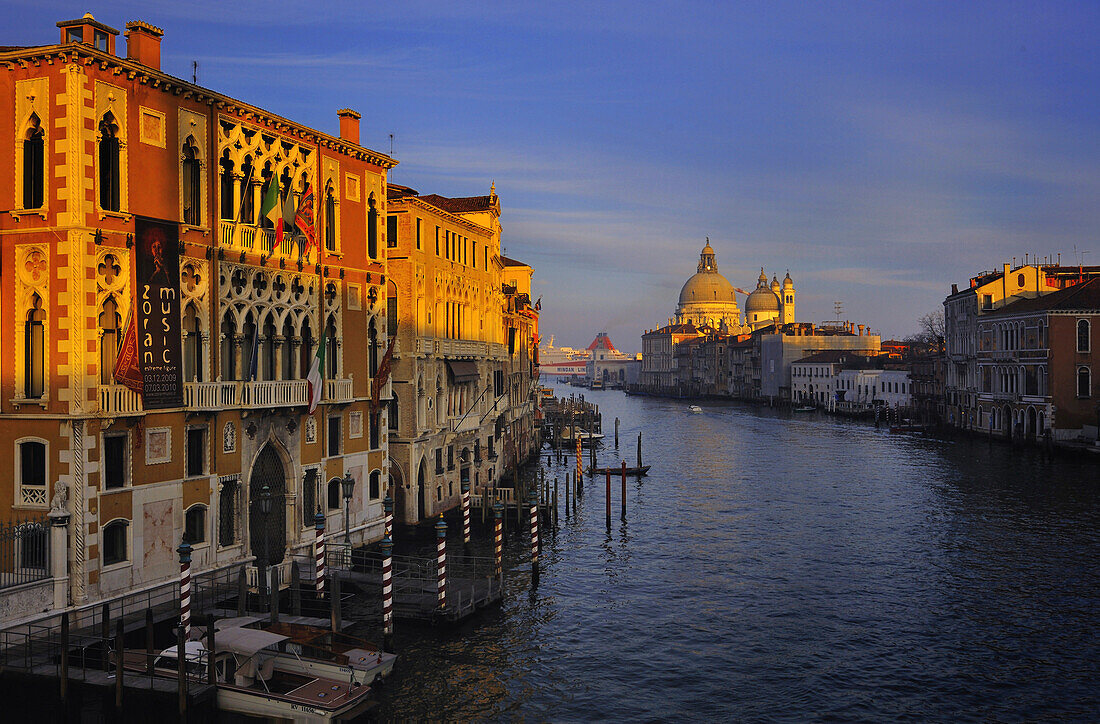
109, 169
247, 202
288, 349
192, 184
270, 371
226, 187
330, 219
372, 348
227, 513
34, 179
108, 343
1084, 342
391, 308
34, 380
249, 368
309, 497
332, 347
306, 351
372, 227
229, 358
392, 414
1084, 382
115, 548
192, 345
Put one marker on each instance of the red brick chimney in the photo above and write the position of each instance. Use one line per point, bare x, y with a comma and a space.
143, 43
349, 125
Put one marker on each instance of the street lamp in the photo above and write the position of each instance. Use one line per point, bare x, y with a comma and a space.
348, 484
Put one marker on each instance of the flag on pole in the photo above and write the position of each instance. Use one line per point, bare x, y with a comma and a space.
286, 221
383, 374
127, 363
254, 357
269, 206
316, 375
304, 221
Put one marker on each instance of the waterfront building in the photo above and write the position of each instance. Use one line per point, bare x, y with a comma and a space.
609, 366
135, 205
461, 412
660, 373
1035, 366
989, 292
780, 347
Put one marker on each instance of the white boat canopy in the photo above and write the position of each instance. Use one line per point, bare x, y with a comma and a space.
246, 641
235, 622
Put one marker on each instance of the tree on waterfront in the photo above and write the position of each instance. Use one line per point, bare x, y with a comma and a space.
929, 334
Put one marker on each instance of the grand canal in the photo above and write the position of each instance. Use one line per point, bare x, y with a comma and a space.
788, 568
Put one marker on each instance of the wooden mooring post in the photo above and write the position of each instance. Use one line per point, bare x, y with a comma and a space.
387, 594
555, 513
639, 450
607, 496
181, 672
616, 433
534, 501
624, 488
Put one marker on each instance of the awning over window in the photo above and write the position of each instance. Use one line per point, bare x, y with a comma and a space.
463, 370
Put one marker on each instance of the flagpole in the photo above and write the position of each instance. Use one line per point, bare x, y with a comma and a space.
240, 208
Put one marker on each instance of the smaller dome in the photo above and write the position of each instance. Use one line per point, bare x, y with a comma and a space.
762, 300
788, 283
762, 280
775, 283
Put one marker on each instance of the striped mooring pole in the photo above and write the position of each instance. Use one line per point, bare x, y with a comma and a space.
580, 468
185, 588
319, 551
387, 508
466, 512
534, 535
441, 561
387, 592
498, 538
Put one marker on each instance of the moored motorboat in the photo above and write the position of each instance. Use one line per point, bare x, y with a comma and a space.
694, 409
805, 408
636, 471
252, 678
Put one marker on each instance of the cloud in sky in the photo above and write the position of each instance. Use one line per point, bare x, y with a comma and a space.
879, 151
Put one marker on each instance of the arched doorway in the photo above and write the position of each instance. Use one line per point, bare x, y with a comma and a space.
1031, 423
421, 502
268, 533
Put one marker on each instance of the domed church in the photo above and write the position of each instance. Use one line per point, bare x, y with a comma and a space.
707, 299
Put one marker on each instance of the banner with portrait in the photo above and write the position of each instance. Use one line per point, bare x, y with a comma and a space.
160, 342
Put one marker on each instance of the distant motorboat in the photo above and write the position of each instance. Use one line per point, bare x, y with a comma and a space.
805, 408
695, 409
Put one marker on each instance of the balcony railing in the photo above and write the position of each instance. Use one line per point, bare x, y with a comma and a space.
338, 390
117, 399
275, 393
247, 237
211, 395
464, 424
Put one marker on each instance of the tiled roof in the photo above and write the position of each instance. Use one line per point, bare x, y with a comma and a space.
506, 261
1080, 296
460, 205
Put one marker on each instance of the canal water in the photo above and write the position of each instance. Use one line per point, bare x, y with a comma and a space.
779, 567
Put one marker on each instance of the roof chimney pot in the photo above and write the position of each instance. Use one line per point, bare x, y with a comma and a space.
143, 43
349, 125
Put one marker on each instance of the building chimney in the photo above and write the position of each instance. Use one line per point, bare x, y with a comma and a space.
954, 288
143, 43
349, 125
861, 330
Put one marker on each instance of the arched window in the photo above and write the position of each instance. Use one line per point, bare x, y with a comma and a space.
332, 347
375, 484
192, 184
248, 367
330, 219
334, 494
34, 179
34, 344
1084, 341
229, 357
1084, 382
270, 371
109, 169
226, 187
108, 346
391, 308
115, 548
248, 182
372, 348
31, 472
288, 349
305, 360
391, 415
195, 525
372, 227
192, 345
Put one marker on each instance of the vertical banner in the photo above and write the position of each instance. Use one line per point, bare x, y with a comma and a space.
160, 343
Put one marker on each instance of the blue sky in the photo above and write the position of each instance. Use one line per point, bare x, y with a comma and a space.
879, 151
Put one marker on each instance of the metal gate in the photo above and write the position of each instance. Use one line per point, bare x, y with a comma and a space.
268, 532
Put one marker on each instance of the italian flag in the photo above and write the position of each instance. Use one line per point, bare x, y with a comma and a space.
316, 375
269, 207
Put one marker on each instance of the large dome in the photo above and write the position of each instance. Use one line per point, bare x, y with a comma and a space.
762, 299
707, 286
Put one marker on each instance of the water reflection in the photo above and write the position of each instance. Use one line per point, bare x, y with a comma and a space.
773, 567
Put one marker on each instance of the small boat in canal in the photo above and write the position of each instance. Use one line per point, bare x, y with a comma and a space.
637, 471
252, 678
320, 651
694, 409
588, 439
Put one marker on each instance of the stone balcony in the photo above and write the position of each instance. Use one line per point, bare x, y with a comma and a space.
214, 396
256, 240
469, 423
460, 348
